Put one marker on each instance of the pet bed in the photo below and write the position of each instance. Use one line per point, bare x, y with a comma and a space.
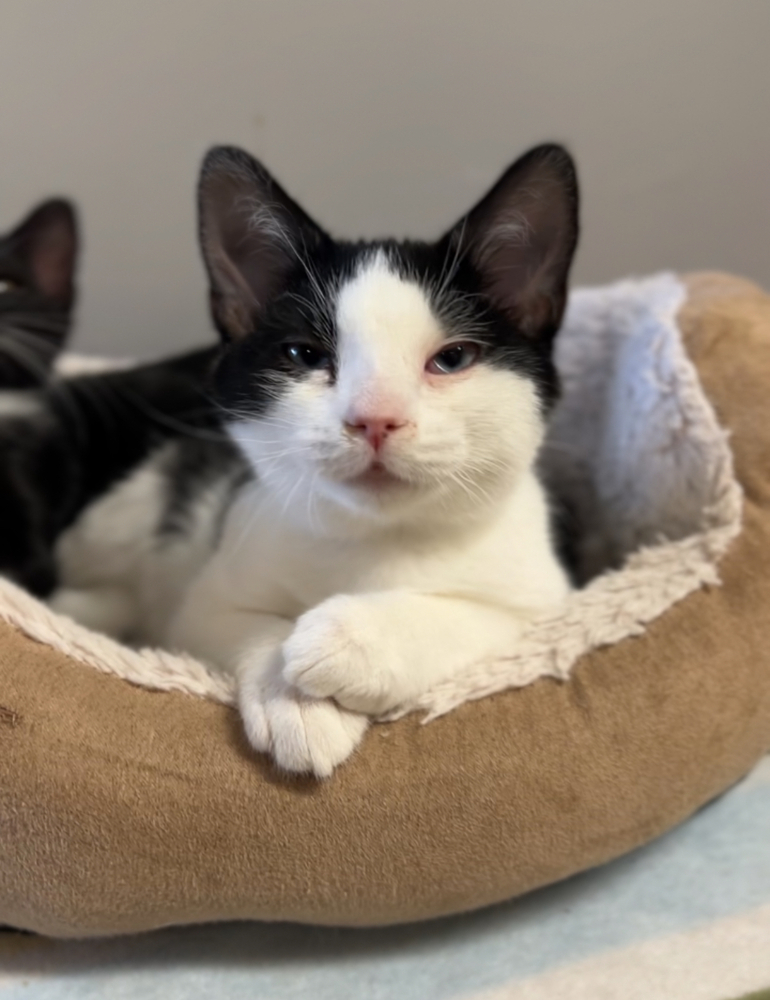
130, 800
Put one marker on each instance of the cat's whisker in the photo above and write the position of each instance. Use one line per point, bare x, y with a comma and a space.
312, 503
250, 522
447, 273
25, 355
291, 494
471, 488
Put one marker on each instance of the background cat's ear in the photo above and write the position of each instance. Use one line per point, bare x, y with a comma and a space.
46, 245
521, 238
253, 235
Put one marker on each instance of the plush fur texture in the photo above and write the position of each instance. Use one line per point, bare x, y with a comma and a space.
37, 292
390, 399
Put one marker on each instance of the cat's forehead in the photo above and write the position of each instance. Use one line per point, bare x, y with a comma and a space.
382, 305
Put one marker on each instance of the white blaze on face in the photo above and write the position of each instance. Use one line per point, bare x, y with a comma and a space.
455, 439
386, 330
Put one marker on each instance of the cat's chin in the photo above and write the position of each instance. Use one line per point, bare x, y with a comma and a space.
378, 494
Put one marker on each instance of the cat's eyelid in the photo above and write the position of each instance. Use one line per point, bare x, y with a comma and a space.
432, 363
461, 341
478, 345
305, 340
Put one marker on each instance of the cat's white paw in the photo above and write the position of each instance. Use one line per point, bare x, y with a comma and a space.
339, 650
301, 734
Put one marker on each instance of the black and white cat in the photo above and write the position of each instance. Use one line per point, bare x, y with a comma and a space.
390, 399
37, 290
64, 447
66, 441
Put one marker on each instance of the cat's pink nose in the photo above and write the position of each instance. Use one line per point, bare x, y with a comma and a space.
374, 429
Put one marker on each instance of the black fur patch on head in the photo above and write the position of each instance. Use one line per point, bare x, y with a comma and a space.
499, 276
456, 291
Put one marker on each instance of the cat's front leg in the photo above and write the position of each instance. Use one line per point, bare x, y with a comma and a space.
301, 733
379, 652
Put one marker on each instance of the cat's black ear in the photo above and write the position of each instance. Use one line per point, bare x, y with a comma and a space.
521, 237
46, 245
253, 235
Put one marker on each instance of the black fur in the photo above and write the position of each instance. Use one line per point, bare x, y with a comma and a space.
274, 272
195, 465
90, 432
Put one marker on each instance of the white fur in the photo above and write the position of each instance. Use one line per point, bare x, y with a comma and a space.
19, 403
118, 574
323, 588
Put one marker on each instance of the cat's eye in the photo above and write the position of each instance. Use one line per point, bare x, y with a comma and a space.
307, 356
453, 359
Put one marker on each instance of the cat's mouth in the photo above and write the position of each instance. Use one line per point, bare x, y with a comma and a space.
376, 477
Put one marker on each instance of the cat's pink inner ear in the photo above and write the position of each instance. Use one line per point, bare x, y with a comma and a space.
252, 236
244, 263
48, 242
521, 238
53, 263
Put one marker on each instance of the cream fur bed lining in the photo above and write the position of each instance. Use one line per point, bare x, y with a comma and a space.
636, 447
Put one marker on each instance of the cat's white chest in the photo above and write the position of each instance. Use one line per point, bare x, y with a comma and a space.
267, 563
276, 566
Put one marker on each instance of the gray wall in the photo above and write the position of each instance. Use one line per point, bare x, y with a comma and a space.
381, 116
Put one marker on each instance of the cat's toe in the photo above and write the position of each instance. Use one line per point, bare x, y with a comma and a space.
303, 735
255, 724
334, 652
322, 737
